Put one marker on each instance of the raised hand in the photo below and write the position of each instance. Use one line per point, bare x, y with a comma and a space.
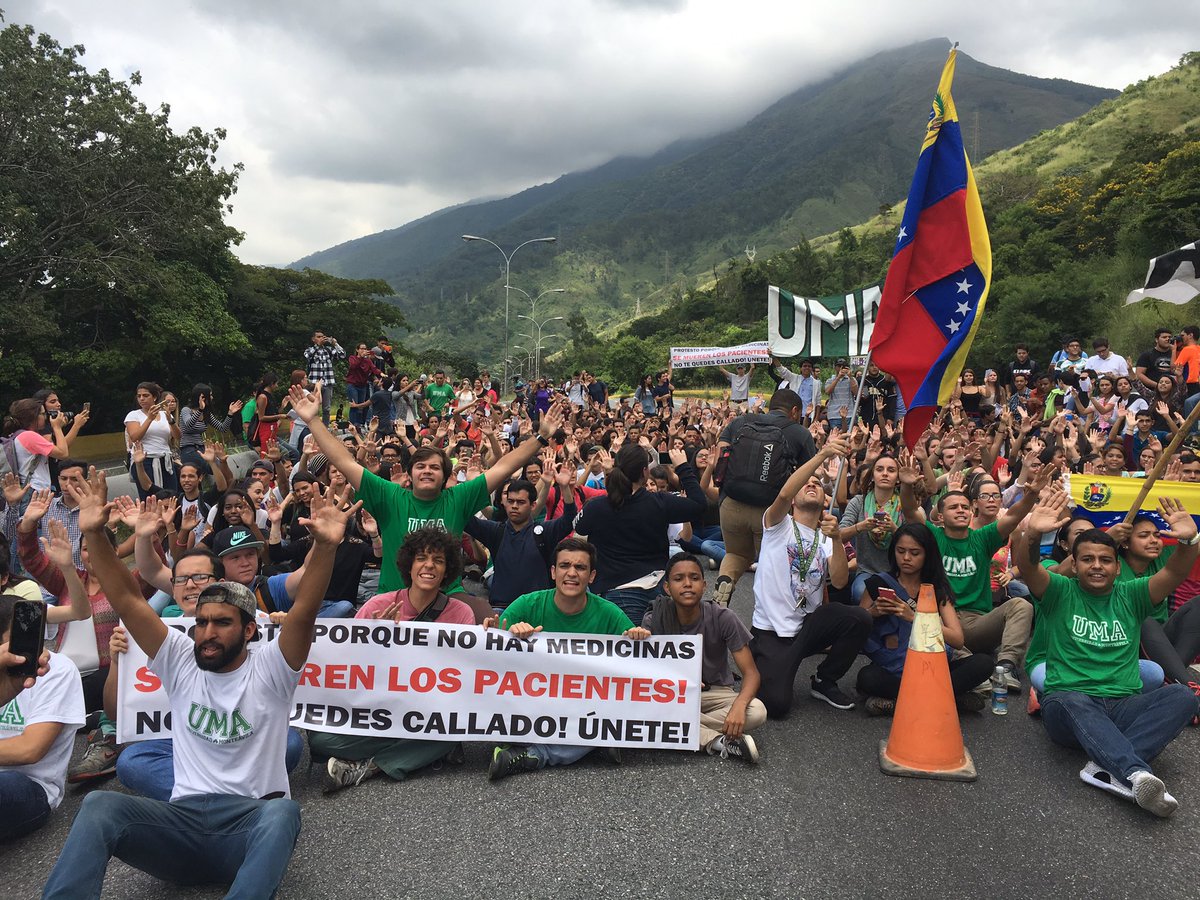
829, 525
310, 445
273, 451
167, 509
369, 526
835, 445
306, 407
13, 491
562, 477
147, 520
190, 520
1052, 512
677, 457
137, 452
1174, 470
909, 471
236, 406
92, 498
39, 505
327, 519
58, 547
1182, 525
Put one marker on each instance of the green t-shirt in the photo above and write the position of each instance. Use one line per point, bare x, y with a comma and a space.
1092, 640
398, 512
439, 395
600, 616
967, 561
1162, 611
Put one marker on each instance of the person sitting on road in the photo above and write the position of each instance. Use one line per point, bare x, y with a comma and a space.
571, 608
1094, 699
37, 734
432, 560
802, 555
148, 767
891, 599
727, 715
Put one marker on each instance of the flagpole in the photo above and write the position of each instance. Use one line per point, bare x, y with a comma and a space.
837, 484
1152, 476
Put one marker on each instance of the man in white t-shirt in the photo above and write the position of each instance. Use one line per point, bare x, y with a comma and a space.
37, 734
230, 818
1105, 362
793, 618
739, 382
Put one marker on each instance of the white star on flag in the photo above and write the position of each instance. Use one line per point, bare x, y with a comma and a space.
953, 326
902, 235
964, 308
964, 286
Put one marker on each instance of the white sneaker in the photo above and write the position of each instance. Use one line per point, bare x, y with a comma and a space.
1099, 778
1151, 794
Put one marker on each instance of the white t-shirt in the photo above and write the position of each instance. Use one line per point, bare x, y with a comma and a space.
33, 459
157, 439
739, 386
1114, 365
778, 583
57, 697
229, 728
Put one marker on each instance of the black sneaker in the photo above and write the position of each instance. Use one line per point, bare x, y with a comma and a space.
742, 748
969, 702
723, 590
880, 706
509, 761
830, 693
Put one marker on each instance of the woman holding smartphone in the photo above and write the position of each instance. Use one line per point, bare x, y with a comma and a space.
154, 427
891, 598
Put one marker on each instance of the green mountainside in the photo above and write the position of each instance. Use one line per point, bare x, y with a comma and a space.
637, 234
1074, 215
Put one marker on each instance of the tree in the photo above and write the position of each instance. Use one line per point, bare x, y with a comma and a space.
115, 246
628, 360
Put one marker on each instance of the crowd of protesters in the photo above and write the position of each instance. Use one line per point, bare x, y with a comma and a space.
565, 507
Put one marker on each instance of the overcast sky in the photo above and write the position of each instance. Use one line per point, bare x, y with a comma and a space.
354, 117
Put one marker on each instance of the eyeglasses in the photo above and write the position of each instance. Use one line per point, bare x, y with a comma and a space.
989, 496
198, 579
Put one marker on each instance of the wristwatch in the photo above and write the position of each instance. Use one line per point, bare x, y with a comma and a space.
1190, 542
543, 440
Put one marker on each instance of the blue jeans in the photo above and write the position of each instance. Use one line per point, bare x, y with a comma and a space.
1188, 405
336, 609
634, 602
23, 803
207, 838
358, 394
707, 542
558, 754
148, 767
1151, 672
1119, 734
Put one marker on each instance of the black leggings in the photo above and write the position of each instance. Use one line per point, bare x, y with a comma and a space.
1175, 644
93, 689
965, 674
841, 628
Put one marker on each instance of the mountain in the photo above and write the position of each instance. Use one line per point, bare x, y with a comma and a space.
637, 232
1073, 215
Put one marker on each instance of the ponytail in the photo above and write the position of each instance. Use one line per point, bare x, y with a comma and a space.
628, 469
22, 415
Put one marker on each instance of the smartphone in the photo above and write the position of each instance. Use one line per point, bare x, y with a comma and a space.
880, 516
886, 594
87, 407
28, 635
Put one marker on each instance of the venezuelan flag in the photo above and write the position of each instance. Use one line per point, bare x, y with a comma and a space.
939, 276
1106, 499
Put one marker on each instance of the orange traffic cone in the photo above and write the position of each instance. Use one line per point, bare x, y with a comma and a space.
926, 741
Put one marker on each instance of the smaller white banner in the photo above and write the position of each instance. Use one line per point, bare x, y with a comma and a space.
698, 357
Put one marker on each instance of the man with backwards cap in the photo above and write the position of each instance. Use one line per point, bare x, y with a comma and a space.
230, 818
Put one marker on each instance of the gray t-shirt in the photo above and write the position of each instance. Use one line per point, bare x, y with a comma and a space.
731, 636
739, 386
838, 397
870, 558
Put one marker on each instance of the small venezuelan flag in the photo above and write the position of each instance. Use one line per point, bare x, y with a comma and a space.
939, 276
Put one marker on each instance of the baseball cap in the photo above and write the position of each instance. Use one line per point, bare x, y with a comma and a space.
232, 593
842, 361
263, 464
239, 537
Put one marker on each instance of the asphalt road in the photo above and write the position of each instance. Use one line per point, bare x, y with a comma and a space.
815, 819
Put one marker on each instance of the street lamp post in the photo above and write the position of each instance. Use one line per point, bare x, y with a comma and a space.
533, 300
537, 346
507, 287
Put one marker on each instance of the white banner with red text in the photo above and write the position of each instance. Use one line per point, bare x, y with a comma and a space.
462, 683
697, 357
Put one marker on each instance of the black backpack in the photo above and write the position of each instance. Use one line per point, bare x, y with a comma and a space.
759, 461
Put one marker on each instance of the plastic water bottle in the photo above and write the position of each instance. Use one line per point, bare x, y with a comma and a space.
999, 693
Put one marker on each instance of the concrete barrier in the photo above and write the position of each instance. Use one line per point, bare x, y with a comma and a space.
120, 483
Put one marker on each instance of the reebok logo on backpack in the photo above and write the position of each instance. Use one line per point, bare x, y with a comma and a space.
759, 461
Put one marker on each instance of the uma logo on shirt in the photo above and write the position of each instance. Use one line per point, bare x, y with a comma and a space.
414, 523
1099, 633
959, 566
218, 727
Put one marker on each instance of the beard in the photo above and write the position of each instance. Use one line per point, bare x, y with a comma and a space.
222, 659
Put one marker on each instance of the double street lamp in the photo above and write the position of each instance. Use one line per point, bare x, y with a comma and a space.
507, 265
537, 345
